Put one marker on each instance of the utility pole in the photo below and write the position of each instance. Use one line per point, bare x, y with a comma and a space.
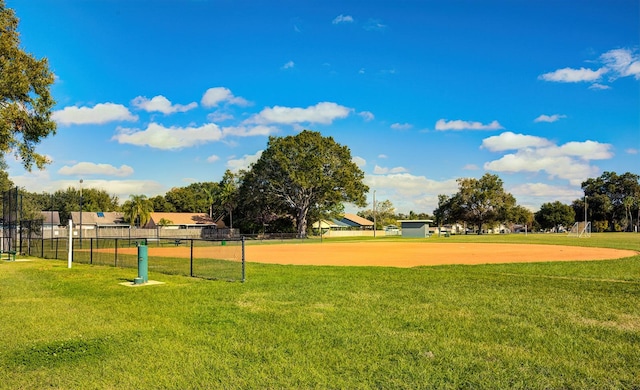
81, 213
374, 214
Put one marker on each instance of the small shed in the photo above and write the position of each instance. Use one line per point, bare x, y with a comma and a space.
415, 228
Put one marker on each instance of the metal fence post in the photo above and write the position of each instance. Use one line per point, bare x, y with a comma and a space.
243, 270
191, 261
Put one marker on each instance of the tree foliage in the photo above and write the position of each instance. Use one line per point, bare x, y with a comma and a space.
555, 214
25, 100
227, 195
306, 174
613, 198
385, 214
478, 201
137, 210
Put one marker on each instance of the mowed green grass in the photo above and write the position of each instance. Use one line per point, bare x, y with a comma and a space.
531, 326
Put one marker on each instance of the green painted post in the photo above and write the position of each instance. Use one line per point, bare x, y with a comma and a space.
143, 265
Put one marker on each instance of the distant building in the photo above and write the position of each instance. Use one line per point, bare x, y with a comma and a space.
182, 221
99, 219
50, 219
355, 221
415, 228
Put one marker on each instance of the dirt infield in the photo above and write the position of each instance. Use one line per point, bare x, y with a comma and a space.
416, 254
397, 254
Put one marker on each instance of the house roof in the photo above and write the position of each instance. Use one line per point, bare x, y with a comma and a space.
330, 223
354, 220
183, 218
100, 218
50, 217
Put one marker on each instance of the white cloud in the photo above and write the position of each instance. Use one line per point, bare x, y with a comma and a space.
444, 125
289, 65
359, 161
214, 96
401, 126
249, 131
549, 118
236, 165
169, 138
88, 168
378, 170
569, 75
219, 116
544, 190
324, 113
407, 191
532, 195
569, 161
383, 156
99, 114
213, 158
161, 104
623, 62
36, 182
631, 151
367, 116
616, 63
512, 141
342, 19
374, 25
471, 167
587, 150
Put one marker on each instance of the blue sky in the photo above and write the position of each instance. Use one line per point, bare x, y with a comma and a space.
159, 94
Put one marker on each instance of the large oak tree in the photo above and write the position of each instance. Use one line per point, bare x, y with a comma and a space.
306, 174
25, 100
478, 201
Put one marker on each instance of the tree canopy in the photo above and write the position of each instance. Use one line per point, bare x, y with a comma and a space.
478, 201
612, 198
25, 100
306, 174
555, 214
384, 211
137, 210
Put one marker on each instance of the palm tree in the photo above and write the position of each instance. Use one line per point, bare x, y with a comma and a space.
628, 203
137, 210
210, 193
228, 194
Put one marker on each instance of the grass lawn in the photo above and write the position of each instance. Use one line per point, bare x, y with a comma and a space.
530, 326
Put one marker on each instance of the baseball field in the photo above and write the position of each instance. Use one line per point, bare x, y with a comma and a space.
516, 312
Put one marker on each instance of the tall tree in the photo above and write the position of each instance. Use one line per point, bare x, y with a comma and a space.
385, 214
478, 201
25, 100
228, 194
606, 197
137, 210
521, 215
556, 214
307, 174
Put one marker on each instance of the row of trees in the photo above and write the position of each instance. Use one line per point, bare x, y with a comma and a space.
297, 179
286, 189
610, 203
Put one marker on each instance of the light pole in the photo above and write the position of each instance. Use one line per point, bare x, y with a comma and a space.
374, 214
81, 213
585, 212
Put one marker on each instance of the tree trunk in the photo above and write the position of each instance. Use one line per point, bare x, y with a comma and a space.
301, 222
